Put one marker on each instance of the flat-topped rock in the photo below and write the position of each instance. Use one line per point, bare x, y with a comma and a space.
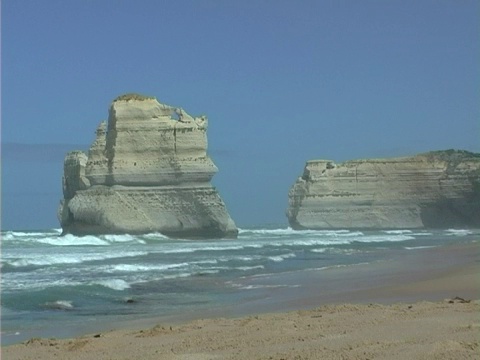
147, 171
440, 189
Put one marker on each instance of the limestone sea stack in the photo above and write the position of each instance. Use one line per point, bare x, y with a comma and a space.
439, 189
147, 171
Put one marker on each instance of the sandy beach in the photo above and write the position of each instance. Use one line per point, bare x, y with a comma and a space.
424, 308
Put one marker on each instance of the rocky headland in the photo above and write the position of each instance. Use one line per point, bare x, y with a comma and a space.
439, 189
147, 171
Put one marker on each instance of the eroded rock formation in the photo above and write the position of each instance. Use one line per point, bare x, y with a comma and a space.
146, 171
439, 189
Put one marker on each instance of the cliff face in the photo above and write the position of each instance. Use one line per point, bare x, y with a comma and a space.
434, 190
146, 171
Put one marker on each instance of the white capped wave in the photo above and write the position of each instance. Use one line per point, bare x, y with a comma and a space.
309, 242
57, 259
102, 240
248, 268
290, 231
240, 258
115, 284
71, 240
252, 244
212, 261
418, 247
336, 251
10, 283
458, 232
53, 238
59, 305
122, 238
199, 247
398, 231
141, 268
254, 287
7, 237
173, 276
21, 236
279, 258
337, 266
156, 236
347, 234
384, 238
322, 250
281, 231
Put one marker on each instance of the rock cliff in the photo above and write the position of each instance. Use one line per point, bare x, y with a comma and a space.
440, 189
146, 171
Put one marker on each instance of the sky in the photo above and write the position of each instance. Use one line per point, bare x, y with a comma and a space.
281, 82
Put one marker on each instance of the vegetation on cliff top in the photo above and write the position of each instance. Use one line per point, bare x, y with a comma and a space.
133, 96
454, 155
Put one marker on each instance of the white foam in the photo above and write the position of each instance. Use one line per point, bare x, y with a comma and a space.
122, 239
418, 247
156, 236
141, 268
242, 258
60, 305
254, 287
279, 258
335, 251
319, 250
72, 240
26, 283
53, 238
221, 248
115, 284
203, 248
310, 242
384, 238
398, 231
458, 232
338, 266
248, 268
290, 231
22, 236
43, 259
175, 276
213, 261
347, 234
287, 231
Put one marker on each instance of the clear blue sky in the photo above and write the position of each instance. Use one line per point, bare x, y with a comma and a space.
280, 81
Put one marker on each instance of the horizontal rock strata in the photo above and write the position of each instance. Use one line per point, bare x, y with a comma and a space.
146, 171
433, 190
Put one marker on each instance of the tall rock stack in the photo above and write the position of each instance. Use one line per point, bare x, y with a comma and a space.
440, 189
146, 171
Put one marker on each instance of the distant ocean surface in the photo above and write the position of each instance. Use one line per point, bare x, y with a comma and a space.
53, 286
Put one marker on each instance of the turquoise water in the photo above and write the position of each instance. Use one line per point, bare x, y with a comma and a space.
55, 286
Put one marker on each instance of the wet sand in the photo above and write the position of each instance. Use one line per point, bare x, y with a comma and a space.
420, 306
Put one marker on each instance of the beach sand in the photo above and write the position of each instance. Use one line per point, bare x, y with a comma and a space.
423, 308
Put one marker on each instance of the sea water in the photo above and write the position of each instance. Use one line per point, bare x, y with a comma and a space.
55, 286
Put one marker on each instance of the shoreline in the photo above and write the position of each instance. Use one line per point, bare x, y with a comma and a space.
416, 284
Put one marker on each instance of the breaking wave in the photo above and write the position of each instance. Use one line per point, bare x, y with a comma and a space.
115, 284
56, 259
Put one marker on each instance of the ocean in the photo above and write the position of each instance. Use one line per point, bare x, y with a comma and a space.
63, 286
